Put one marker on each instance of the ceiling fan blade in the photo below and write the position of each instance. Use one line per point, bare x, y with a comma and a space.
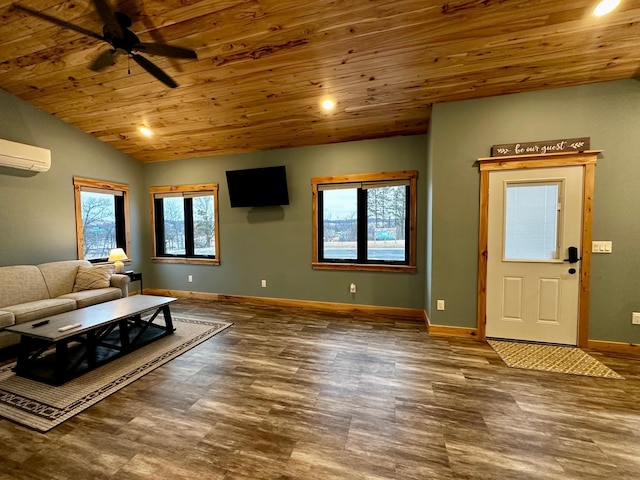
165, 50
107, 15
154, 70
105, 59
59, 22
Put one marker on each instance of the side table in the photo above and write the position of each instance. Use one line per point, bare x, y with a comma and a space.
135, 277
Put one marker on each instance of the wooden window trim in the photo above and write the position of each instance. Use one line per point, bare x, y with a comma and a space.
411, 175
201, 187
78, 184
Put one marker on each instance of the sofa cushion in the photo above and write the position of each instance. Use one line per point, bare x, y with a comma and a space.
7, 319
61, 276
25, 312
87, 298
89, 278
20, 284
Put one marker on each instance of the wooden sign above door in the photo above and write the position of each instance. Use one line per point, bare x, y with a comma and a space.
541, 148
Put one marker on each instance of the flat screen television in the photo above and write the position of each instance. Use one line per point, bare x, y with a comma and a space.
258, 187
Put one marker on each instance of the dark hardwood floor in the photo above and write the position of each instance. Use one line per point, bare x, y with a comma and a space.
294, 394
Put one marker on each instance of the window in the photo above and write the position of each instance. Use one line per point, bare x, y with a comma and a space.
365, 222
531, 230
185, 219
102, 218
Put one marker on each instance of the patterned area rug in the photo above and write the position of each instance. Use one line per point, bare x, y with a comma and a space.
42, 407
551, 358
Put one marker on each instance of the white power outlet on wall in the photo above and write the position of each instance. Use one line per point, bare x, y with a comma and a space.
635, 318
440, 304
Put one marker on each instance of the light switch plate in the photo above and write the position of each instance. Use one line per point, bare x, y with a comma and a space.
601, 246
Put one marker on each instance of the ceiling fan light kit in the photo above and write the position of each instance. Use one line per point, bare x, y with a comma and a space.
122, 41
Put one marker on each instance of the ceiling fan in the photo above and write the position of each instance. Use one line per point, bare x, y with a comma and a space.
122, 40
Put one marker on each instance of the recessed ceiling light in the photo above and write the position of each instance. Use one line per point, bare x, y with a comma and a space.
146, 131
605, 6
328, 104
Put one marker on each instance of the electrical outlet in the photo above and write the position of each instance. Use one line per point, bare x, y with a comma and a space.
264, 284
635, 318
190, 278
352, 288
440, 304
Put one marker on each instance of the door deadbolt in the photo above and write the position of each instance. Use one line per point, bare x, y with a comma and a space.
573, 255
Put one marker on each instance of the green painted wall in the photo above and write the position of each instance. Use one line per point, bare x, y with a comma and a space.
461, 132
37, 216
275, 243
38, 224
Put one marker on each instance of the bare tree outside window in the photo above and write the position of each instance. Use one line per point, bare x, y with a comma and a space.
185, 223
365, 221
174, 225
386, 222
203, 225
98, 224
102, 213
386, 226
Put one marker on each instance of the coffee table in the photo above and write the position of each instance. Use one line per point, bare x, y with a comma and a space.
100, 333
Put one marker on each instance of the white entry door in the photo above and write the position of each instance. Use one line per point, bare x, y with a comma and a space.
535, 216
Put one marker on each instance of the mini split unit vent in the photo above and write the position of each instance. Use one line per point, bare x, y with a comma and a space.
24, 157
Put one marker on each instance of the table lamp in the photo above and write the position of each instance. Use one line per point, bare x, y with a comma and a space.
116, 255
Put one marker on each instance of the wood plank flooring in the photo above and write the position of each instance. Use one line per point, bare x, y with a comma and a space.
293, 394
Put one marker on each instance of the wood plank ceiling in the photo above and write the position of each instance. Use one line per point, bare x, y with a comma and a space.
264, 66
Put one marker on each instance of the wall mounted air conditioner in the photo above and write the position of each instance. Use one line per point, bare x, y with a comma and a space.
25, 157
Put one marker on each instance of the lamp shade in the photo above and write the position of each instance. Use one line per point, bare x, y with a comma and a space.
116, 255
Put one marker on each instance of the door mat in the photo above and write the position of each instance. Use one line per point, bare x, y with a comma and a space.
551, 358
42, 407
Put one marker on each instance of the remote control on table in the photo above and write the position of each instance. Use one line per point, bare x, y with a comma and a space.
69, 327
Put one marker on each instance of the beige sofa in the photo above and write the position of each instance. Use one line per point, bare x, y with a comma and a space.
30, 292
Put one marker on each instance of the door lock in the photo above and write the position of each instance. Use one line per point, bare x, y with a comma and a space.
573, 255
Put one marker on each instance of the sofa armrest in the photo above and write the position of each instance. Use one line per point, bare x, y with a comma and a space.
122, 282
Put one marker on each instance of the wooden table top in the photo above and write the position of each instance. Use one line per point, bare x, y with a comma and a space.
91, 317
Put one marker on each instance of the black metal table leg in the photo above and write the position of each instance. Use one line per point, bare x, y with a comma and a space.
22, 363
91, 349
61, 362
123, 327
167, 319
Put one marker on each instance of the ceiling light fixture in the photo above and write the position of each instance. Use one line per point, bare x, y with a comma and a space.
328, 104
146, 131
605, 6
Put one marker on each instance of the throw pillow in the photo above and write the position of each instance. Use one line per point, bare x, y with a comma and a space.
89, 278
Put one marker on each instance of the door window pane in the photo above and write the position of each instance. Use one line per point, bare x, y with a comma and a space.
531, 221
340, 220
